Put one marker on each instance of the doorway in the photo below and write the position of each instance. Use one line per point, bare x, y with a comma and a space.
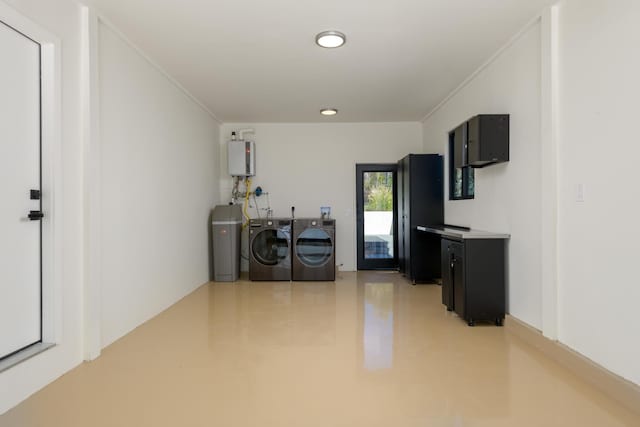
376, 207
20, 185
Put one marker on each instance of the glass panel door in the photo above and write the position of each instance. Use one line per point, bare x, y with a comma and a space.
376, 212
378, 215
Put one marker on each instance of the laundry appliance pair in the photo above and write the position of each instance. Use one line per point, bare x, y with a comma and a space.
292, 249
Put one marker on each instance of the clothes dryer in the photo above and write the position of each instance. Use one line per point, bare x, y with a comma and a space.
314, 254
270, 249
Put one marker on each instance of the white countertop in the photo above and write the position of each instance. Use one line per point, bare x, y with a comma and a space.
462, 234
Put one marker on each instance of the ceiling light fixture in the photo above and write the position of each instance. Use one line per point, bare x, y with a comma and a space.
328, 111
331, 39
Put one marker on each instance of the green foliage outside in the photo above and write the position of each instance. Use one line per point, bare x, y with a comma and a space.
380, 199
378, 191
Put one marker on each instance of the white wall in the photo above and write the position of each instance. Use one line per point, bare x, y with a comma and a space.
596, 107
598, 238
507, 195
159, 179
313, 165
62, 19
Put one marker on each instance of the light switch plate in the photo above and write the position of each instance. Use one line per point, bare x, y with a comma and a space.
580, 192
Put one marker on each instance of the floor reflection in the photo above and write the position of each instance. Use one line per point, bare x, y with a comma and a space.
272, 314
377, 337
368, 350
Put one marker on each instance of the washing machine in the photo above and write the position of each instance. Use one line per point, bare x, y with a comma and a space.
270, 249
314, 252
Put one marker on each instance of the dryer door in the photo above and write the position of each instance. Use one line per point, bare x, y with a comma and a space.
270, 247
314, 247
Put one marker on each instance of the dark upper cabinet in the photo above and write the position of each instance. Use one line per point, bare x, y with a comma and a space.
459, 145
487, 140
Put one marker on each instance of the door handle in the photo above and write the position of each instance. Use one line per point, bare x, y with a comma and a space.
35, 215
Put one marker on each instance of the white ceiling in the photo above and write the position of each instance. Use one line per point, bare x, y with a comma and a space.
256, 60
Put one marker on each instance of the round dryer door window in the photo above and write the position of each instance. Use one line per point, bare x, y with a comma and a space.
270, 247
314, 247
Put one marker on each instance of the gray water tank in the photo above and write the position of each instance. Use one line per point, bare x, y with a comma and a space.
226, 228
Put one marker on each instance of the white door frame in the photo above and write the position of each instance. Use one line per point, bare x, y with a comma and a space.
92, 304
549, 154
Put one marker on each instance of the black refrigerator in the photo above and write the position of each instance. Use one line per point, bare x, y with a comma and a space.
420, 202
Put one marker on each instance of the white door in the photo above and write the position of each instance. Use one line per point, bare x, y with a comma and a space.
20, 236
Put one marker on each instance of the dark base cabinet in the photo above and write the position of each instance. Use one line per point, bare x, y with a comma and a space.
473, 279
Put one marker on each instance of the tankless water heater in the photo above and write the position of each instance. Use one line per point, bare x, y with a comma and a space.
241, 158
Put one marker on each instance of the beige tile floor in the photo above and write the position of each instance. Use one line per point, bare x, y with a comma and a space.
367, 350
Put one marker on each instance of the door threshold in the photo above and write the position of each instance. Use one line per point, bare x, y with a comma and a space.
24, 354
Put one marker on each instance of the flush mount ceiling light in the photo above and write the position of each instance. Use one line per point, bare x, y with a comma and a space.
331, 39
328, 111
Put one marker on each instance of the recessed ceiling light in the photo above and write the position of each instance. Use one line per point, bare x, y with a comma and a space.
328, 111
331, 39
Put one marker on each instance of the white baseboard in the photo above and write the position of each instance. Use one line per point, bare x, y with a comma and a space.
616, 387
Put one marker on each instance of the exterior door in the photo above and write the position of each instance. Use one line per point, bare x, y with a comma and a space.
20, 182
376, 211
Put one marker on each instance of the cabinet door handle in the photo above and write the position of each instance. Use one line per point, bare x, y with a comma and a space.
35, 215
